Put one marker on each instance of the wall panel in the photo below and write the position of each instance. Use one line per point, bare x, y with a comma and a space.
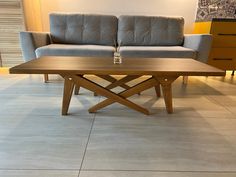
185, 8
11, 22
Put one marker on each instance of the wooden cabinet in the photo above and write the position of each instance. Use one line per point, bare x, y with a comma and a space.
11, 22
223, 57
223, 52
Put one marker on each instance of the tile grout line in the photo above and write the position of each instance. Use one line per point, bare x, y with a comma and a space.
39, 169
119, 170
86, 145
162, 171
88, 141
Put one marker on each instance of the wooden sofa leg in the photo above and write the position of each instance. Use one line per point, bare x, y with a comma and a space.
232, 73
76, 91
185, 79
46, 78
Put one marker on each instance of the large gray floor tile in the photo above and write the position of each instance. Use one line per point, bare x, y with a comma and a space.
28, 125
202, 106
177, 144
33, 97
219, 85
227, 129
228, 101
40, 152
151, 174
187, 106
43, 142
45, 105
33, 134
38, 173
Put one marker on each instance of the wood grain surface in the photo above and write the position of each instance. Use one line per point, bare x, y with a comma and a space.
105, 66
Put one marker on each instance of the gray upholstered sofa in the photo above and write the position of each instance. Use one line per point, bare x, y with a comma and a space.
97, 35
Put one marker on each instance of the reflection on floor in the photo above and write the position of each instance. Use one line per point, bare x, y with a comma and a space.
199, 139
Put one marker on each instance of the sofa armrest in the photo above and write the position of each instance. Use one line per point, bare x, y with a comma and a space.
201, 43
30, 41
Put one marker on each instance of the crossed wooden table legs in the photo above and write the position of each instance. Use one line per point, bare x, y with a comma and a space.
154, 81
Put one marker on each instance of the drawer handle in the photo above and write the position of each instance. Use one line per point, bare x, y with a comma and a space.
222, 58
223, 34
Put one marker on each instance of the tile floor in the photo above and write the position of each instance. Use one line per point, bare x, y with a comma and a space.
199, 139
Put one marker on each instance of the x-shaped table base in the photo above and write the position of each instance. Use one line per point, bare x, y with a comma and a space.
113, 82
154, 81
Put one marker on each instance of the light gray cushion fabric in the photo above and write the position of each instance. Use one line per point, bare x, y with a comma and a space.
200, 43
75, 50
157, 51
149, 30
30, 41
83, 29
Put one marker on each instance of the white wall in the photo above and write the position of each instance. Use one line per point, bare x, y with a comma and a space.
185, 8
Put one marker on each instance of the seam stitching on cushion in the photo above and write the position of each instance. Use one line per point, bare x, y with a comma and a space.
150, 28
82, 30
66, 19
134, 30
168, 32
100, 31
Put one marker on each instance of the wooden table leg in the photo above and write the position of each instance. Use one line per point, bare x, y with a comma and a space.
127, 93
76, 92
114, 80
46, 78
68, 90
107, 78
158, 90
167, 91
185, 79
77, 88
122, 82
83, 82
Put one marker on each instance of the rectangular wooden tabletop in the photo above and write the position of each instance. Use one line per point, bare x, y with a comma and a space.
105, 66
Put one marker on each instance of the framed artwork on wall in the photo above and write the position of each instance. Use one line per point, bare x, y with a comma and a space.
209, 9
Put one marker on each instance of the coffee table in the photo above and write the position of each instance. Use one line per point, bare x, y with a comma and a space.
163, 72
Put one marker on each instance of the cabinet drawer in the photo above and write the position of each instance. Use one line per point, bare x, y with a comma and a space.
223, 58
223, 28
223, 40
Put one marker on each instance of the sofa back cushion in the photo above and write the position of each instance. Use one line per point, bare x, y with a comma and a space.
150, 31
83, 29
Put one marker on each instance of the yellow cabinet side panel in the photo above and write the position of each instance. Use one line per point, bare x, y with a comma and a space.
202, 27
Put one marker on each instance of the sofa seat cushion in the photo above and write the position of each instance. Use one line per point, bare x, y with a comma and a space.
157, 51
75, 50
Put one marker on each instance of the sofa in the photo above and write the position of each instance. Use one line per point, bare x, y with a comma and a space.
93, 35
